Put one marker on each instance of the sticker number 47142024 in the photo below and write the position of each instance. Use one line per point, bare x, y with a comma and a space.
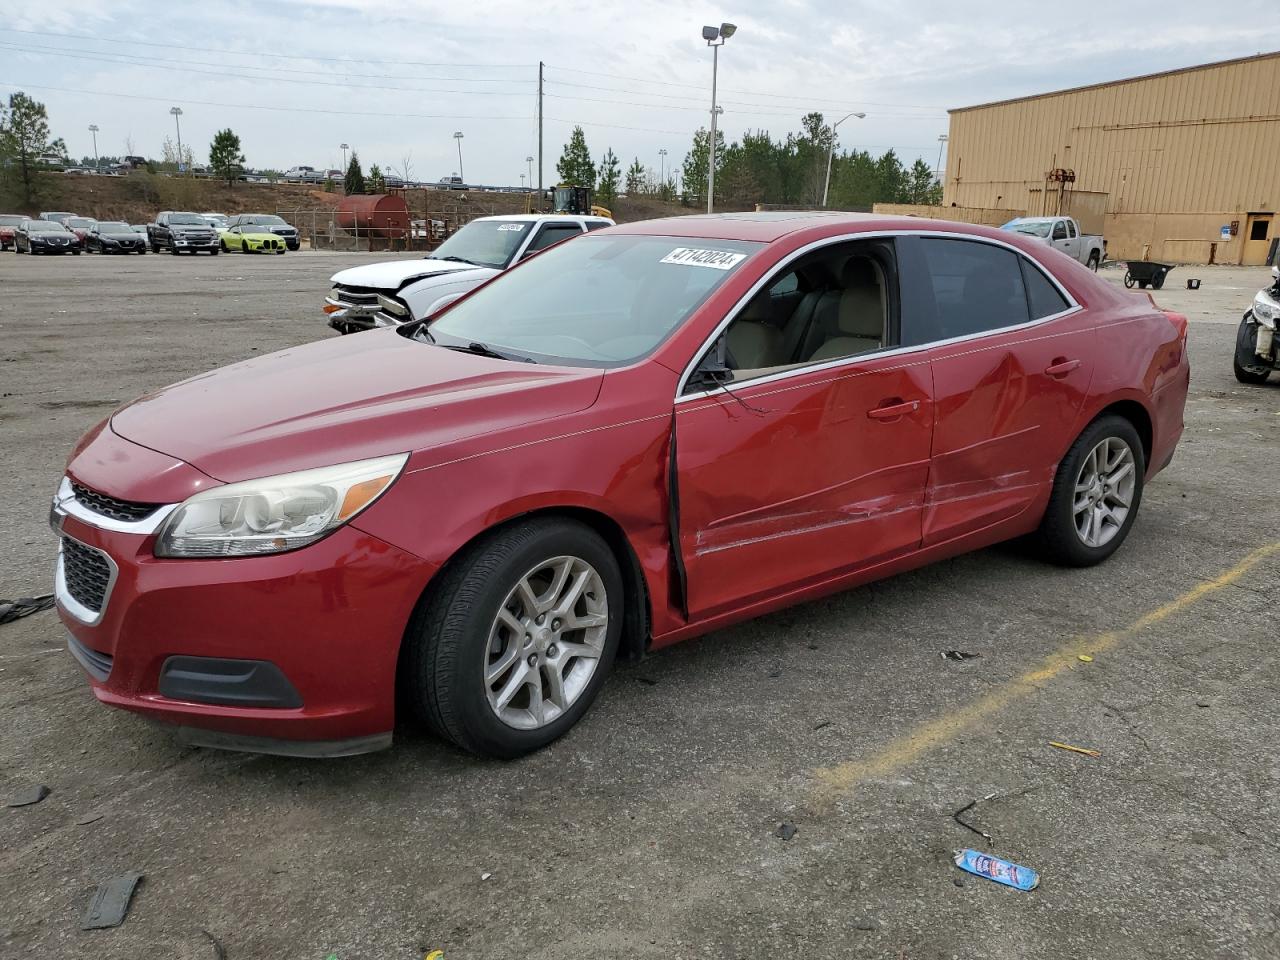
716, 259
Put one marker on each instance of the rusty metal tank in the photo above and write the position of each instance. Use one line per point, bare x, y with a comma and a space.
374, 215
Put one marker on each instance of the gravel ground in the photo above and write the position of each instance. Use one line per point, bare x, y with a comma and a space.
650, 831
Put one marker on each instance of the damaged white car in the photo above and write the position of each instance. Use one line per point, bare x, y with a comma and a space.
398, 291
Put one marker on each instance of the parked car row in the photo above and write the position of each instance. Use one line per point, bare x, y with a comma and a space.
60, 231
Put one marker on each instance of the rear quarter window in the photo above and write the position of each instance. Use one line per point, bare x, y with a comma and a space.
1043, 297
977, 287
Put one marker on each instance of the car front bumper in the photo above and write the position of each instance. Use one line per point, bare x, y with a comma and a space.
292, 653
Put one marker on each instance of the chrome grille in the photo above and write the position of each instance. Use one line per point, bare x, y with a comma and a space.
356, 296
87, 573
125, 511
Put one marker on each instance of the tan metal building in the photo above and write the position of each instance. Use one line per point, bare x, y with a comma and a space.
1177, 166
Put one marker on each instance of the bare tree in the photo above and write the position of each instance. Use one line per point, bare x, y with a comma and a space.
130, 148
406, 167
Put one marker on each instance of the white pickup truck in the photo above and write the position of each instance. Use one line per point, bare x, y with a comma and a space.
398, 291
1062, 233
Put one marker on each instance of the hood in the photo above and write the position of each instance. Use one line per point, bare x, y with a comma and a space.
394, 274
121, 235
344, 399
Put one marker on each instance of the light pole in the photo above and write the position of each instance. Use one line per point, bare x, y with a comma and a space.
97, 164
715, 37
457, 135
529, 161
344, 148
522, 182
177, 112
937, 168
826, 187
662, 167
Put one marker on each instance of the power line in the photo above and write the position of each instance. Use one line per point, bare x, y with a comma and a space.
254, 106
281, 56
752, 93
192, 66
747, 109
803, 102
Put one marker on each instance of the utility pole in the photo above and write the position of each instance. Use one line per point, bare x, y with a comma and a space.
97, 164
540, 66
177, 112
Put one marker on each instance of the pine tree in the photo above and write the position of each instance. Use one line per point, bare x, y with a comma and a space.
377, 182
24, 136
610, 175
353, 182
575, 167
225, 158
636, 176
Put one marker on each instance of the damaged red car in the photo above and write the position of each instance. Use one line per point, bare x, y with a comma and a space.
631, 439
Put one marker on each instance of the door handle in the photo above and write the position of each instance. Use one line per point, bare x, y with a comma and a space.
1061, 366
893, 408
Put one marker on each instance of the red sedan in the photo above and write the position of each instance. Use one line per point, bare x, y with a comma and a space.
638, 436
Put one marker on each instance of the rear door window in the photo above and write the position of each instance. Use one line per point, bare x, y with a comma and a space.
977, 287
1043, 298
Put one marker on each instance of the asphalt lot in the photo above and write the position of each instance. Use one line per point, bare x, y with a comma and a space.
649, 832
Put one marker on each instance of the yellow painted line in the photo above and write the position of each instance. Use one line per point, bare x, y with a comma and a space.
903, 751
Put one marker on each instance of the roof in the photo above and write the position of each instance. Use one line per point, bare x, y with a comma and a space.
1115, 83
764, 227
536, 217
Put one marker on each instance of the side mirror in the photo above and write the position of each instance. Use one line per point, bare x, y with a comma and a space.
713, 368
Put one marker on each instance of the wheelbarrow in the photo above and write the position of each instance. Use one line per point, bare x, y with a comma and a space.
1144, 272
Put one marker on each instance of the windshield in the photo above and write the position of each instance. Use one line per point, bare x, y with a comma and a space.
112, 227
270, 219
187, 218
598, 301
81, 222
45, 226
1033, 228
486, 243
7, 220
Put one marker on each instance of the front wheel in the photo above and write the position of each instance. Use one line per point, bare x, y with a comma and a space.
1128, 280
1096, 494
510, 648
1246, 345
1094, 260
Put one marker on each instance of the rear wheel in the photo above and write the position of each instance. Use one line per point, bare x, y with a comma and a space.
1096, 494
1128, 280
510, 648
1094, 260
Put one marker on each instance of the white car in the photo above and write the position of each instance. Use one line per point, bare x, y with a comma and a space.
398, 291
219, 222
1062, 233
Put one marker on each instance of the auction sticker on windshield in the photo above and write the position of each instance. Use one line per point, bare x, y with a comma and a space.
716, 259
511, 226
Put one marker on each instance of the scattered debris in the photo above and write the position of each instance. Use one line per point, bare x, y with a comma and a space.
485, 876
434, 955
110, 902
1085, 658
219, 951
957, 881
821, 723
785, 830
866, 924
11, 610
1085, 751
969, 826
29, 795
1203, 705
1001, 871
958, 655
92, 817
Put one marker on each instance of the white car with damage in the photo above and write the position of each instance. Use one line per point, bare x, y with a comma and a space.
397, 291
1063, 233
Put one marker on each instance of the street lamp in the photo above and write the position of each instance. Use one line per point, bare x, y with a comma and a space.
522, 182
715, 37
937, 168
529, 161
832, 149
662, 166
177, 112
457, 135
344, 148
97, 164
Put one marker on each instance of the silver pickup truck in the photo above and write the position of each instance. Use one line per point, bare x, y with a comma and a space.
1062, 233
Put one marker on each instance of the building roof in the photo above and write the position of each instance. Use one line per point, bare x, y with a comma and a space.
1116, 83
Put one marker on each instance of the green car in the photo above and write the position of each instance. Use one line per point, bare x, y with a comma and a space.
247, 238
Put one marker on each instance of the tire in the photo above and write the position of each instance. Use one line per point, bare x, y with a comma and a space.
173, 249
222, 245
142, 251
1128, 280
451, 636
76, 252
1094, 260
213, 252
1060, 539
1246, 341
244, 246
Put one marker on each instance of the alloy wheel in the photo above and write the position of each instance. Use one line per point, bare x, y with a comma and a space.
1104, 492
546, 642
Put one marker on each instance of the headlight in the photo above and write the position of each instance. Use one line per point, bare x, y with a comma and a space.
1265, 309
392, 305
275, 514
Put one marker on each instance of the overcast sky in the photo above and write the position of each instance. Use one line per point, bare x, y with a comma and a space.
394, 77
